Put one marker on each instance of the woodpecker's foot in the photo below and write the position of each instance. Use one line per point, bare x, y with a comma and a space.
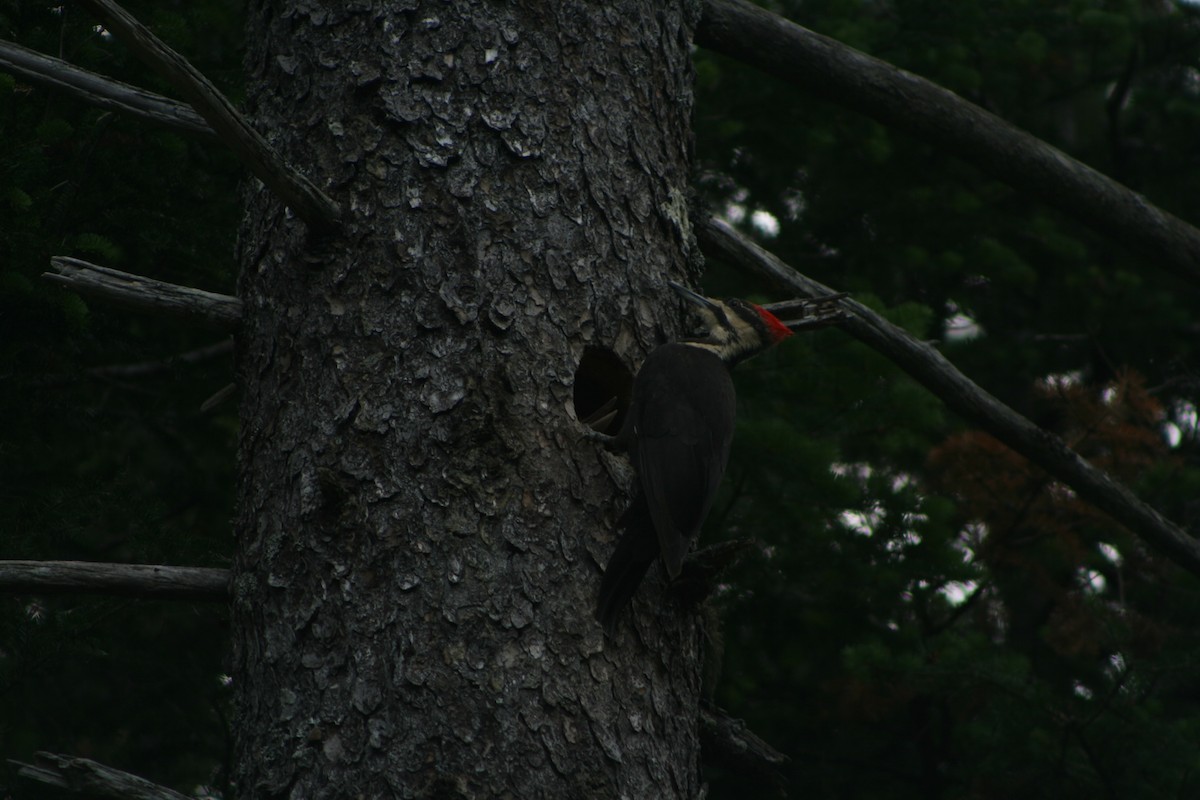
599, 420
702, 570
610, 443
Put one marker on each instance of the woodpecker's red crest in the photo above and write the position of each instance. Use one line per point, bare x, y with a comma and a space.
775, 326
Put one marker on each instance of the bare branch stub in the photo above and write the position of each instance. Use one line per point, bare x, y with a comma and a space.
57, 75
134, 291
88, 777
310, 203
727, 742
156, 581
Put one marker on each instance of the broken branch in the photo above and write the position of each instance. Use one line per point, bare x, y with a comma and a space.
134, 580
55, 74
217, 310
85, 776
729, 743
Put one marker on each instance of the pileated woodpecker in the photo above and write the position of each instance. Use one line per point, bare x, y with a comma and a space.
677, 433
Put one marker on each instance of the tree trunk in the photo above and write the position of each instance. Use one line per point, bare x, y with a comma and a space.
420, 529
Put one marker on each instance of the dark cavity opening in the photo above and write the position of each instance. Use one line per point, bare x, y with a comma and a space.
603, 385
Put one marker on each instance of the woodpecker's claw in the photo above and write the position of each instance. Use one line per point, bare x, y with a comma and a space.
598, 421
611, 443
703, 568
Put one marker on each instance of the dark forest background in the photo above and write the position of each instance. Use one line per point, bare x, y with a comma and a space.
925, 614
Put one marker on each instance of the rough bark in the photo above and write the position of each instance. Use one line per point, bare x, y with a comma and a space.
420, 527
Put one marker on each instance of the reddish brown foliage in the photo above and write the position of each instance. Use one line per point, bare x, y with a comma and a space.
1037, 534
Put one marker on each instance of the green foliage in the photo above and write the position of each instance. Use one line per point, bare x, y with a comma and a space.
928, 616
93, 244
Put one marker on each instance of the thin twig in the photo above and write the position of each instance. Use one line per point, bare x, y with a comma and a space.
929, 368
218, 398
309, 202
142, 369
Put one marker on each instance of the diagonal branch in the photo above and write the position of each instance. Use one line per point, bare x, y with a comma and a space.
929, 368
85, 776
55, 74
135, 580
142, 369
912, 104
217, 310
312, 205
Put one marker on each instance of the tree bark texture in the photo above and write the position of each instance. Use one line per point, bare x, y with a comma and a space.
421, 529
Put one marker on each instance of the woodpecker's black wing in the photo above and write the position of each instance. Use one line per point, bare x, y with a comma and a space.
635, 552
683, 414
677, 431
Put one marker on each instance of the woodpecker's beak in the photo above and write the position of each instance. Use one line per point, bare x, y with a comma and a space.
690, 296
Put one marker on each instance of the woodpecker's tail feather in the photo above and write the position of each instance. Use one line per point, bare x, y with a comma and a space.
621, 579
635, 552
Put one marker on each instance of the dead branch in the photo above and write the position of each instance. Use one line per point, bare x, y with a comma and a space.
309, 202
57, 75
810, 314
152, 581
218, 398
216, 310
929, 368
729, 743
85, 776
142, 369
912, 104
